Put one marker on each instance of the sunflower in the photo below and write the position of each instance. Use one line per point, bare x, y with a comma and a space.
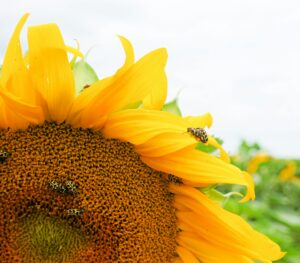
288, 173
104, 175
256, 161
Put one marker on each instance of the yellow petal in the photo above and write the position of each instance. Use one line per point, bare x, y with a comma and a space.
32, 113
8, 117
164, 144
19, 99
214, 233
225, 226
223, 154
137, 125
13, 60
50, 70
186, 255
104, 97
3, 115
201, 121
197, 168
74, 51
129, 52
206, 252
250, 194
88, 95
155, 100
14, 68
154, 133
84, 99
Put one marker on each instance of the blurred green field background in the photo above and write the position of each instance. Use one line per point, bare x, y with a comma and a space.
276, 209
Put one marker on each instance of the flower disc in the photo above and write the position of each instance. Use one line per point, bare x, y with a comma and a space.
69, 194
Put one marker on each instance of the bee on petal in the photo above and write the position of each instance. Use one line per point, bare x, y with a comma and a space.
198, 133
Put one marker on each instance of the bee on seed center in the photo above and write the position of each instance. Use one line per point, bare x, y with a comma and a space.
74, 211
67, 188
57, 187
71, 187
3, 155
198, 133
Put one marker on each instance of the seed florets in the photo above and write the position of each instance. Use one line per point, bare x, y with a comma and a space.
58, 177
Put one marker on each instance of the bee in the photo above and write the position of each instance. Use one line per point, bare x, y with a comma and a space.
74, 211
3, 155
71, 187
174, 179
198, 133
57, 187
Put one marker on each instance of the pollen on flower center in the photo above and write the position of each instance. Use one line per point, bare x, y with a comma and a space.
69, 193
45, 238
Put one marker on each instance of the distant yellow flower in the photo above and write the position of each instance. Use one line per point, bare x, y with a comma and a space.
288, 172
256, 161
84, 178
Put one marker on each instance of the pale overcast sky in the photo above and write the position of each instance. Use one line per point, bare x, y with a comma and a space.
238, 59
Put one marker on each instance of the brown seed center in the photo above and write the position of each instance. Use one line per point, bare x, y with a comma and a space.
70, 194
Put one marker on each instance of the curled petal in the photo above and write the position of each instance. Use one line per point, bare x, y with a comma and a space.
197, 168
205, 120
50, 70
223, 154
32, 113
92, 107
13, 60
219, 225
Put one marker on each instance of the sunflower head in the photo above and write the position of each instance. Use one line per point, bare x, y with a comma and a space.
256, 161
102, 174
288, 172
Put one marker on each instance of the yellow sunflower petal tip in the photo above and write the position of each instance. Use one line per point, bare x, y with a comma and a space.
205, 120
128, 49
250, 194
24, 18
13, 56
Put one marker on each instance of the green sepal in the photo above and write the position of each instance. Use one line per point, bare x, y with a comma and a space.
230, 194
214, 195
208, 148
219, 140
205, 148
172, 107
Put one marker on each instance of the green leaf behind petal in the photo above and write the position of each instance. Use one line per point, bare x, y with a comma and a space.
84, 75
172, 107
